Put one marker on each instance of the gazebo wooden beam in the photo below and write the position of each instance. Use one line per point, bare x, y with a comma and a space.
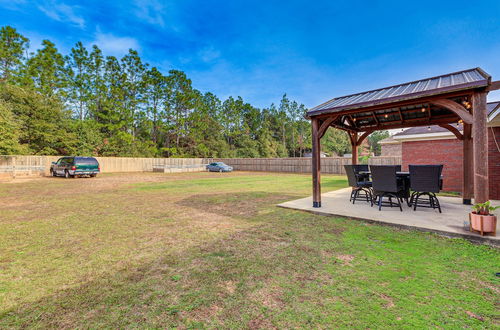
345, 128
437, 120
456, 108
401, 115
454, 130
363, 137
325, 124
494, 86
374, 114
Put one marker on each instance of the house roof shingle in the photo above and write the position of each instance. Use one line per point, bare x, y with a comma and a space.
492, 106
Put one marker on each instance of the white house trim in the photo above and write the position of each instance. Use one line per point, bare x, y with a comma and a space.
425, 136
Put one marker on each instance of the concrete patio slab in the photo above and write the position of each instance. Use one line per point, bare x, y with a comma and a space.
449, 223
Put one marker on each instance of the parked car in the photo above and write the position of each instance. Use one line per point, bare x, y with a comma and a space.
70, 167
219, 167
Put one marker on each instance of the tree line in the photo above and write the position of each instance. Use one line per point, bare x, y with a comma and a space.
87, 103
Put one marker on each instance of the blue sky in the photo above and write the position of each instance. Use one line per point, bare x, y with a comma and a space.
312, 50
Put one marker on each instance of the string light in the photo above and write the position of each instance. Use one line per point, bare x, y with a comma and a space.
386, 116
423, 109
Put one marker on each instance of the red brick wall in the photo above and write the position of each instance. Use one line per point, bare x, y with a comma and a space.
393, 149
494, 162
446, 152
449, 153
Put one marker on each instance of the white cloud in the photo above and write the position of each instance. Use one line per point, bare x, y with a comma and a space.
12, 4
115, 45
62, 13
151, 11
209, 54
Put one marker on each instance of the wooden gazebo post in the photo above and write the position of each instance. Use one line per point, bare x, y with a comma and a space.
316, 162
467, 161
480, 150
354, 147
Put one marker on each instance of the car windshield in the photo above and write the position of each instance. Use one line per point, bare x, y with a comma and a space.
221, 164
86, 161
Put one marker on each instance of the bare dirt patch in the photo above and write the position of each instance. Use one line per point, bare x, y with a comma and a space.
388, 300
233, 204
346, 259
270, 296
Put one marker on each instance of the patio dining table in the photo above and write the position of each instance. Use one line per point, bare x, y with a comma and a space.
405, 176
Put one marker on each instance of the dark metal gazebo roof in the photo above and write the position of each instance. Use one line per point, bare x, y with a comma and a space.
451, 82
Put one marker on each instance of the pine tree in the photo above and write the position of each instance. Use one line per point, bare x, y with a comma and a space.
47, 72
79, 80
13, 47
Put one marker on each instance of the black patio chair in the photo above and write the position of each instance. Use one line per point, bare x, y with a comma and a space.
362, 171
361, 186
425, 180
385, 183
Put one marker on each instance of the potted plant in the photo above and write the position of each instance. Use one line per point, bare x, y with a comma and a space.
481, 218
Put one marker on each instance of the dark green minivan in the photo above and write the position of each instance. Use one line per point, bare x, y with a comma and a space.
70, 167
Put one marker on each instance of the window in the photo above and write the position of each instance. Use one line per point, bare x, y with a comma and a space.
86, 161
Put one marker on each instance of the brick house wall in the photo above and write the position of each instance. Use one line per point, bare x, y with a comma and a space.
391, 149
494, 162
447, 152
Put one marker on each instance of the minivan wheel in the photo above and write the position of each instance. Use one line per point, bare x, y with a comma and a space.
67, 175
220, 170
52, 172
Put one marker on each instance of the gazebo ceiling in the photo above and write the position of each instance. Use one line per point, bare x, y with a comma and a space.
414, 103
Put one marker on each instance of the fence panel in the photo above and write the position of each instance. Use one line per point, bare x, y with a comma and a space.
12, 166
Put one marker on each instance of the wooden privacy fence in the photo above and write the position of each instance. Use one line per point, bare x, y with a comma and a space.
13, 166
331, 165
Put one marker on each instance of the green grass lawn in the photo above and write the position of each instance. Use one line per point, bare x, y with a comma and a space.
212, 250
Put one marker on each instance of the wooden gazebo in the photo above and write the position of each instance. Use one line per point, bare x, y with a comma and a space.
445, 100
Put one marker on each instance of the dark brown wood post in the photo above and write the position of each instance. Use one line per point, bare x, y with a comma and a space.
468, 169
354, 148
316, 163
480, 149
